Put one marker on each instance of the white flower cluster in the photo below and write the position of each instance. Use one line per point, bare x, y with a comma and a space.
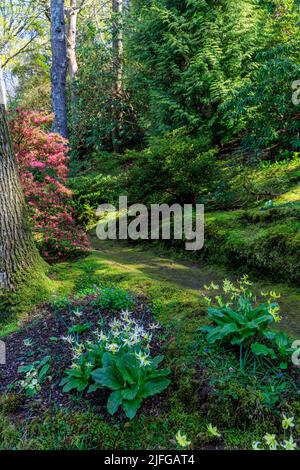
127, 332
271, 439
30, 382
123, 333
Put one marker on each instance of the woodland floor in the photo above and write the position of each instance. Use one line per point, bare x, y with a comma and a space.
135, 265
172, 289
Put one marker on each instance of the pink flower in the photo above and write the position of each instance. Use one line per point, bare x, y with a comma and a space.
38, 165
49, 199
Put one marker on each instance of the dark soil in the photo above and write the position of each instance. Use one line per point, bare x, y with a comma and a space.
45, 329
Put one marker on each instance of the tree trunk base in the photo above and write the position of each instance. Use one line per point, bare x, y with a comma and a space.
34, 286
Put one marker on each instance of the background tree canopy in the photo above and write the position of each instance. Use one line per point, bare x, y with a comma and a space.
167, 102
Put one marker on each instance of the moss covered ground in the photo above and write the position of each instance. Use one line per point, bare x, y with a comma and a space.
173, 287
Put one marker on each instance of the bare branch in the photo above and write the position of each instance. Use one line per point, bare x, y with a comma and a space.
20, 51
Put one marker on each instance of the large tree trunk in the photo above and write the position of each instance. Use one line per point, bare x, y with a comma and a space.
118, 58
17, 250
72, 14
59, 67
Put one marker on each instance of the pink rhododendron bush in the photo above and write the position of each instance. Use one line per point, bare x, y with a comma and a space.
42, 159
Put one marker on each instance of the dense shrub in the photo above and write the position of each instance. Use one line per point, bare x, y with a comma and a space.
92, 190
262, 106
266, 113
173, 168
186, 56
91, 121
42, 159
114, 298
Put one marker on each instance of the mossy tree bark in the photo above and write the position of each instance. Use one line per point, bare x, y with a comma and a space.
17, 250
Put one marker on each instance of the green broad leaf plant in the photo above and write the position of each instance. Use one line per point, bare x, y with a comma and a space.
33, 376
118, 359
238, 319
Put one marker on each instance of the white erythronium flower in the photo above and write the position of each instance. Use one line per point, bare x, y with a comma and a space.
271, 441
69, 339
78, 348
213, 430
147, 336
135, 338
116, 333
290, 444
77, 312
27, 342
125, 315
102, 337
154, 326
143, 359
128, 342
115, 323
74, 365
287, 422
112, 347
182, 439
77, 351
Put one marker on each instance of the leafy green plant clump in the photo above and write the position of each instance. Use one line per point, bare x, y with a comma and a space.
114, 298
34, 376
92, 190
174, 168
245, 365
238, 319
119, 359
241, 390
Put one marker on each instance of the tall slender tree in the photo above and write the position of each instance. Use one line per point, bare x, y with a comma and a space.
118, 59
72, 11
17, 250
72, 14
59, 67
